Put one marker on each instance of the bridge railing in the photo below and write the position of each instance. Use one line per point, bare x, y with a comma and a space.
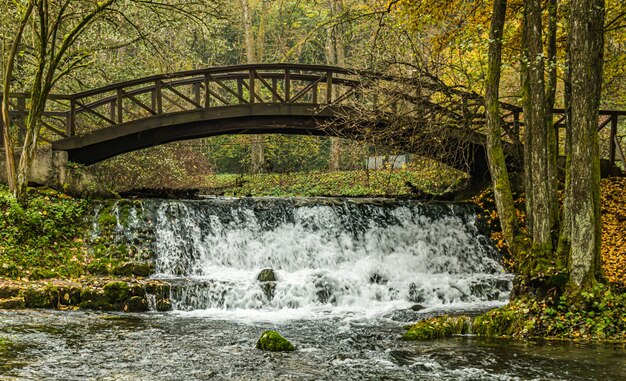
122, 103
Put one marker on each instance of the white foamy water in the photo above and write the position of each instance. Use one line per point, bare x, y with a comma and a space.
330, 257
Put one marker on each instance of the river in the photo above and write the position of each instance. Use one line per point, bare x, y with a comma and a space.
349, 275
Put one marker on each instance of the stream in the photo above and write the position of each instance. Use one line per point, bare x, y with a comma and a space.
347, 276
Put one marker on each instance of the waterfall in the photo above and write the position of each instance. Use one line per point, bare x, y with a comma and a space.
370, 254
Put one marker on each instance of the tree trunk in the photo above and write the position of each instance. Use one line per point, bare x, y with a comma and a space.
336, 56
539, 189
6, 118
257, 158
587, 46
495, 153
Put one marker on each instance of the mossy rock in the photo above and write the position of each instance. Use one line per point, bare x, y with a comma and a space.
272, 341
93, 299
136, 304
37, 298
116, 292
14, 303
163, 305
266, 275
9, 291
438, 327
133, 268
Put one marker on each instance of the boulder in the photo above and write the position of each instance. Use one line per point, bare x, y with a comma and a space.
14, 303
116, 292
141, 269
272, 341
266, 275
136, 304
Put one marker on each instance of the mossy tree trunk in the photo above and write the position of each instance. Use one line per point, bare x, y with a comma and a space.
540, 158
6, 90
497, 164
257, 156
587, 45
53, 61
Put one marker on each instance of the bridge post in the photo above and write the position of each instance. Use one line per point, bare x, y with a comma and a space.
329, 87
70, 120
207, 93
287, 85
159, 97
612, 144
251, 85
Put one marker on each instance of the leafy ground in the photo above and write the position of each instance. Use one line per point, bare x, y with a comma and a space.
613, 194
599, 315
411, 181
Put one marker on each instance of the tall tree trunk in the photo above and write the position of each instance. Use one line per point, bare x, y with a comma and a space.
495, 153
336, 56
539, 189
257, 157
587, 46
550, 130
564, 245
6, 90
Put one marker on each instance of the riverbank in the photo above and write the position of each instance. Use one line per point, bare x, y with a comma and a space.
50, 247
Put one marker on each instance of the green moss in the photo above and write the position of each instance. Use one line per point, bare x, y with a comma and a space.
116, 292
595, 315
438, 327
14, 303
141, 269
272, 341
136, 304
37, 298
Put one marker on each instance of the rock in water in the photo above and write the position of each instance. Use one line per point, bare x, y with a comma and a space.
272, 341
266, 275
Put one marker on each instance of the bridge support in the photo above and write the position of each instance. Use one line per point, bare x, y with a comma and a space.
52, 168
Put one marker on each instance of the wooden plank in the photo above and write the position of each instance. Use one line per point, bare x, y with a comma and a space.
82, 107
272, 89
306, 89
138, 102
183, 96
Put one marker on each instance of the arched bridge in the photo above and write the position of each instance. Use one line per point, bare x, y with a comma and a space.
254, 99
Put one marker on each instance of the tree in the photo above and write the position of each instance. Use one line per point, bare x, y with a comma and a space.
495, 153
586, 58
55, 31
6, 90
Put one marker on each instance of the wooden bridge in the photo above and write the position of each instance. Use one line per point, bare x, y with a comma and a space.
271, 98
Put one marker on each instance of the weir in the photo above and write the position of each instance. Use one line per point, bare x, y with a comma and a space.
368, 255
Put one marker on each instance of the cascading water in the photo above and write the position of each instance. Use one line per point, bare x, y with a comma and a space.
327, 255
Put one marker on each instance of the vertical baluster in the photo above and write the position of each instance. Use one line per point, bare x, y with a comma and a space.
240, 90
196, 91
287, 86
120, 106
251, 85
329, 87
274, 89
159, 96
71, 118
612, 145
207, 96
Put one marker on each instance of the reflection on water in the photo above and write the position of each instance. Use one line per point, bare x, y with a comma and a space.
92, 346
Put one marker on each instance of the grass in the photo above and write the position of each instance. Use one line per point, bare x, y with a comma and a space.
407, 182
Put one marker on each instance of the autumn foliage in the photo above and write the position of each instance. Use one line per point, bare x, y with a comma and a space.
613, 195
